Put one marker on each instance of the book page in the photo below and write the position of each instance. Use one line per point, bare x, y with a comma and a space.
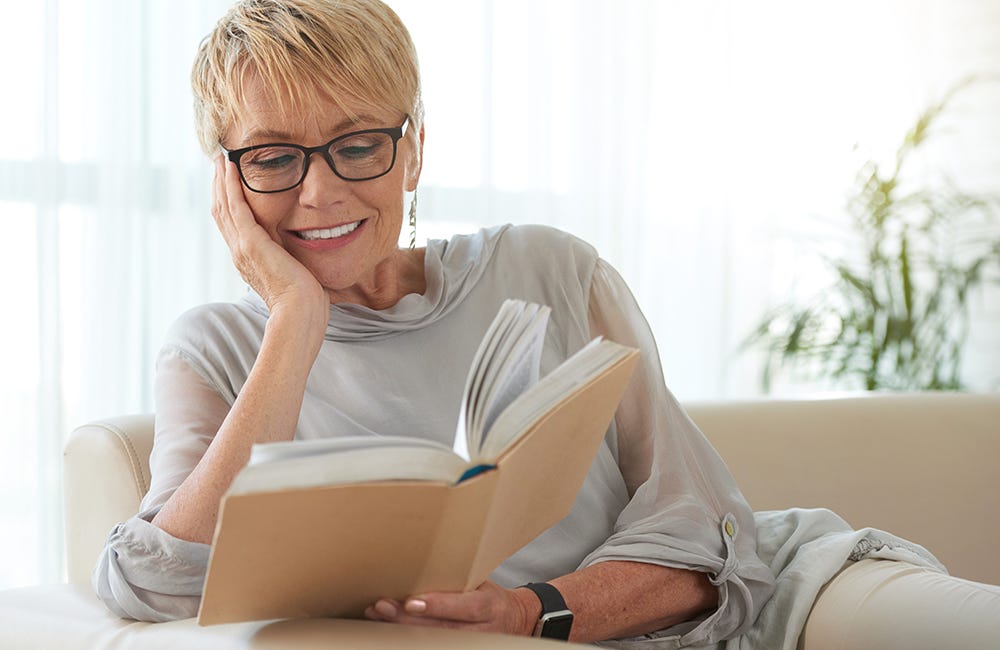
517, 370
506, 317
352, 459
587, 363
274, 451
504, 366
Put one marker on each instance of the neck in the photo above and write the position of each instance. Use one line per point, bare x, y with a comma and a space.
398, 275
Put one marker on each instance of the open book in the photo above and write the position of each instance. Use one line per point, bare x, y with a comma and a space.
325, 527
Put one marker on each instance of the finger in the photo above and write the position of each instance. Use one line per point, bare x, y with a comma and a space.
218, 188
236, 201
422, 621
227, 213
220, 203
384, 609
375, 613
469, 607
242, 214
390, 611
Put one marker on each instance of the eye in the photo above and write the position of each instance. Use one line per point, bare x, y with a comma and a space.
271, 163
271, 158
354, 151
358, 147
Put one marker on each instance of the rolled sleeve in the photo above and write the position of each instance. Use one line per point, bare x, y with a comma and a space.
145, 574
730, 561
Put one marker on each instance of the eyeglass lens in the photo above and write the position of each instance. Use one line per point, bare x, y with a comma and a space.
355, 157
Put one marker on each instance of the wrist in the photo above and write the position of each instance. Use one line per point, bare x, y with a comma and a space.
306, 321
289, 348
530, 610
555, 620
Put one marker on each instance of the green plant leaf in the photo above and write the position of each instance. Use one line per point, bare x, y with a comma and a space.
895, 317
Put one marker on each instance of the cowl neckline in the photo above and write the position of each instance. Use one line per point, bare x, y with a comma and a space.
452, 267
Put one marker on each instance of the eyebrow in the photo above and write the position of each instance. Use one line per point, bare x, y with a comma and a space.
258, 135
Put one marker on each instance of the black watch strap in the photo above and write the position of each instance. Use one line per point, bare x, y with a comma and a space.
556, 620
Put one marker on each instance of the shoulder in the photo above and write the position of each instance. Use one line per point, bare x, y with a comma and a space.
219, 340
536, 237
546, 265
524, 238
547, 250
215, 321
522, 249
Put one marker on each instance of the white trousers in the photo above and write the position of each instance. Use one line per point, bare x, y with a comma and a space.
885, 605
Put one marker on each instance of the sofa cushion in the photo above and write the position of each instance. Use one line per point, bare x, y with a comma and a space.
70, 616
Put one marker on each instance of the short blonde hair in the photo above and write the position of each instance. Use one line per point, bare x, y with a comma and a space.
355, 52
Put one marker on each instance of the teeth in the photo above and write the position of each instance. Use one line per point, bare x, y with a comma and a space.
329, 233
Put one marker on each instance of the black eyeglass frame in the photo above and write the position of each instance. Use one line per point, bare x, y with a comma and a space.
396, 134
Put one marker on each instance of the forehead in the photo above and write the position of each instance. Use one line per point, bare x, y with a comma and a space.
270, 115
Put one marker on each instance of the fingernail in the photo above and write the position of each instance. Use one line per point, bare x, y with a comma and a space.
385, 608
416, 606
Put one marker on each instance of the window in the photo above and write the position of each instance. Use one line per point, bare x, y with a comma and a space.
702, 147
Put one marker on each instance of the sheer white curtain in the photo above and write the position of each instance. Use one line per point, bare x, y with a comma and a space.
703, 147
103, 196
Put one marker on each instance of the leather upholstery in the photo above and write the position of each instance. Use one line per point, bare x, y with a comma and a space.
921, 466
925, 467
105, 475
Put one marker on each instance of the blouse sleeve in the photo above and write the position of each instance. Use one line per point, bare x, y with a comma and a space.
685, 510
143, 573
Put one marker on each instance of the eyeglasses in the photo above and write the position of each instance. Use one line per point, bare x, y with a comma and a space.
356, 156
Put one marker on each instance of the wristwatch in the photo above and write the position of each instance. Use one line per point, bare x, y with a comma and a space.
556, 619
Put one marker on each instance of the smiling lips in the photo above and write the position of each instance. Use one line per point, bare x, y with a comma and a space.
329, 233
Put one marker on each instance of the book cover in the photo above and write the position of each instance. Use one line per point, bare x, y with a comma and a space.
312, 548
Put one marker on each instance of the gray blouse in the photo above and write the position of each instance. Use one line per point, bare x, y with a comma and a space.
656, 492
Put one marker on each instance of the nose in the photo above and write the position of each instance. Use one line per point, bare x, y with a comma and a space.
321, 186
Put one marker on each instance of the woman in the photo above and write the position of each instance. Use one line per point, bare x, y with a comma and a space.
342, 327
312, 112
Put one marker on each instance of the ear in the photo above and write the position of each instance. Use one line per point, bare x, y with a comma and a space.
413, 170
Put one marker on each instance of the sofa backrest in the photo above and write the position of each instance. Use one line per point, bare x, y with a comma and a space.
925, 467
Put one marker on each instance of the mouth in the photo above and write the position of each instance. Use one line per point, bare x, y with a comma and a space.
328, 233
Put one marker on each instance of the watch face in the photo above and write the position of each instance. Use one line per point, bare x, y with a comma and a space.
557, 626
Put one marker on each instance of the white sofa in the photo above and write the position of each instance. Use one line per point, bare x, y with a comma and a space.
922, 466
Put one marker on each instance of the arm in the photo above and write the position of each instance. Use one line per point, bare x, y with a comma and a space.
608, 600
671, 557
267, 408
153, 565
618, 599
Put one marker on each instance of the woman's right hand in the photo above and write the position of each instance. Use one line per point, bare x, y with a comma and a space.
281, 280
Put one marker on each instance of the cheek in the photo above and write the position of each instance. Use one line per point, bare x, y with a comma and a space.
268, 209
386, 197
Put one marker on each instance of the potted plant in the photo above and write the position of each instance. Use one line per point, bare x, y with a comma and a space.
895, 316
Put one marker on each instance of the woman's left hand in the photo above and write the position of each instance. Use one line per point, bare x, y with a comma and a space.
489, 608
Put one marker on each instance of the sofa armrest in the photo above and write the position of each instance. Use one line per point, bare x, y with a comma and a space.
106, 474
